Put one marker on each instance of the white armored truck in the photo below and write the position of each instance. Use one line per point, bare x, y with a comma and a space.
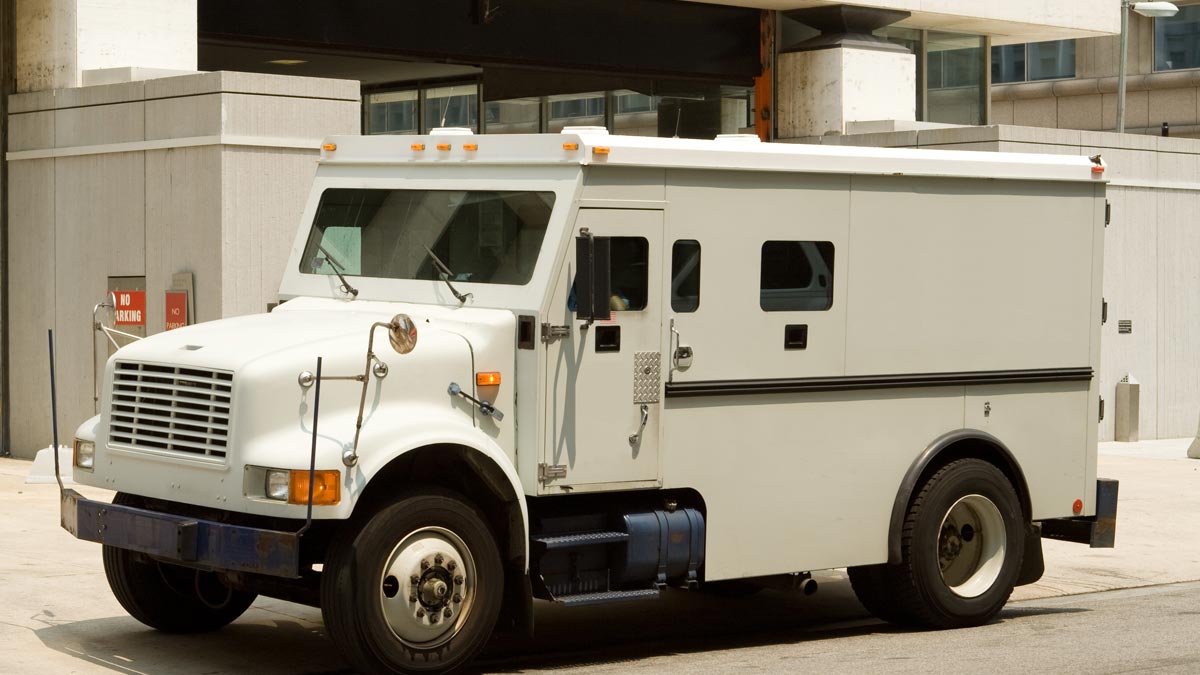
586, 368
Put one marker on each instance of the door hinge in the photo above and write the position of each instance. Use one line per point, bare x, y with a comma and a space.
550, 332
1101, 409
1103, 311
549, 472
1107, 212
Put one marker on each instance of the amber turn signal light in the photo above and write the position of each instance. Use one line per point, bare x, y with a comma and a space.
329, 147
327, 488
487, 379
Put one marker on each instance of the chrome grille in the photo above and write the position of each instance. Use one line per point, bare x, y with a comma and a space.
171, 408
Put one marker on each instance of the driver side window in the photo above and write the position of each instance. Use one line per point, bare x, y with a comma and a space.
629, 270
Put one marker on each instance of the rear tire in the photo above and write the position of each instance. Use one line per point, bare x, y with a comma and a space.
381, 620
961, 549
170, 598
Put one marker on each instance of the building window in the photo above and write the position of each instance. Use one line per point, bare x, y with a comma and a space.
1034, 61
685, 275
796, 276
454, 106
393, 112
1177, 40
514, 116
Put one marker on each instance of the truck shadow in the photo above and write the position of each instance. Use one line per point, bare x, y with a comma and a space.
266, 642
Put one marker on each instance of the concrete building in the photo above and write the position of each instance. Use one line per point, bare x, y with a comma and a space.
157, 146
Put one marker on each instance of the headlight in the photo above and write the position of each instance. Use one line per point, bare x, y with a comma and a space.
85, 454
277, 485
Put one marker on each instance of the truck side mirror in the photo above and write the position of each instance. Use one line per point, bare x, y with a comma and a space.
593, 287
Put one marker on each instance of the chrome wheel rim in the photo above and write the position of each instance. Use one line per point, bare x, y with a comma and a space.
971, 546
427, 587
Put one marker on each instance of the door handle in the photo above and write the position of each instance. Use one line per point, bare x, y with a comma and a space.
636, 437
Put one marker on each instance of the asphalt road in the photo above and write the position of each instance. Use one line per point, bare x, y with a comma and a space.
1152, 630
57, 614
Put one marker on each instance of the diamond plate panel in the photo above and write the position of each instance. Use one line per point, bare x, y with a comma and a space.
646, 372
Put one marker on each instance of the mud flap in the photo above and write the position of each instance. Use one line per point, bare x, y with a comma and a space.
1033, 565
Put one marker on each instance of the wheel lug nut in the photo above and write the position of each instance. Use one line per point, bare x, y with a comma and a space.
433, 618
446, 613
420, 613
437, 559
451, 565
424, 564
414, 580
457, 597
458, 580
412, 598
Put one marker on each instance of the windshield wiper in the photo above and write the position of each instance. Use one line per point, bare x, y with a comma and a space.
445, 275
334, 265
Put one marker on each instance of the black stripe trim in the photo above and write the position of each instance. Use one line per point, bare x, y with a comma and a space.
857, 382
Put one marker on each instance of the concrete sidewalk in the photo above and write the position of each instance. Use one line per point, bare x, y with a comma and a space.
57, 614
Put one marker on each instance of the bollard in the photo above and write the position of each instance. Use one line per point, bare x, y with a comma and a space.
1128, 404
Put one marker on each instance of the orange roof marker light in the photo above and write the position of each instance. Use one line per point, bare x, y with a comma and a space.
443, 146
329, 147
487, 379
470, 147
570, 146
418, 147
1098, 165
600, 150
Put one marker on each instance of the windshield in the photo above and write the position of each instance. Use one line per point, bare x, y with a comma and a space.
481, 237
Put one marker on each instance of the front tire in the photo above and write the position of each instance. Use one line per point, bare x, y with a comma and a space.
416, 589
961, 552
170, 598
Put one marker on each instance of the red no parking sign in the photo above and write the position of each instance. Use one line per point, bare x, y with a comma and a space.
130, 308
176, 309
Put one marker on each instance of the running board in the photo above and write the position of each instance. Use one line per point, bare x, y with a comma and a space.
604, 597
557, 541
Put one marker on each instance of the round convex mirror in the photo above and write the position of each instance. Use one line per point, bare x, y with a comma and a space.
402, 333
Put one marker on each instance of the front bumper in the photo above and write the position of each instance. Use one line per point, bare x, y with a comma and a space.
187, 541
1098, 531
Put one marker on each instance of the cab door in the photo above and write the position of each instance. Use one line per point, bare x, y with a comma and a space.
605, 378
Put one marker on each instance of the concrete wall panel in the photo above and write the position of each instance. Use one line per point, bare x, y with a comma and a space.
99, 125
99, 232
31, 131
1178, 314
183, 228
31, 301
1131, 289
264, 195
1041, 112
278, 117
183, 117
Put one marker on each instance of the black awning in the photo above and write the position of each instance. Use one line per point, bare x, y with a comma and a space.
637, 38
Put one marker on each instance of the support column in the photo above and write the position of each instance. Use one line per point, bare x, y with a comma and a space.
845, 74
60, 42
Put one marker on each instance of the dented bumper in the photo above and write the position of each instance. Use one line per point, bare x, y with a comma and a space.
187, 541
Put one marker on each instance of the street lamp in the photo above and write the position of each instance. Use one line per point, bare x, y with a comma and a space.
1148, 9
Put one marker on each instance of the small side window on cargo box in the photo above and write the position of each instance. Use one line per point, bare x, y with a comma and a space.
685, 275
796, 276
